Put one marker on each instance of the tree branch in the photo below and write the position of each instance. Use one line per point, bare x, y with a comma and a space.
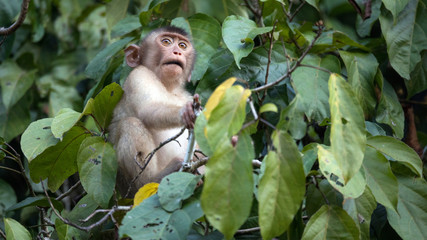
289, 72
18, 23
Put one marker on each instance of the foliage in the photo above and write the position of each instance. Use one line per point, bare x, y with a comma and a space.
313, 91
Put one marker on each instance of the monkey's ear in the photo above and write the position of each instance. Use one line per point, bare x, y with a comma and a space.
133, 58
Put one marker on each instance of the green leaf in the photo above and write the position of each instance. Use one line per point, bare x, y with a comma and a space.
418, 81
317, 196
37, 138
103, 105
292, 118
40, 201
309, 156
282, 186
314, 3
15, 82
97, 164
406, 36
238, 34
15, 231
364, 26
63, 96
411, 220
268, 107
333, 173
14, 121
58, 162
125, 26
315, 97
361, 70
361, 209
228, 116
398, 150
390, 110
221, 9
329, 223
193, 208
149, 221
7, 197
347, 137
175, 188
115, 11
64, 121
394, 6
99, 64
333, 40
205, 32
380, 178
227, 193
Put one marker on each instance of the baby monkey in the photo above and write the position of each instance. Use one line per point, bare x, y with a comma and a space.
154, 107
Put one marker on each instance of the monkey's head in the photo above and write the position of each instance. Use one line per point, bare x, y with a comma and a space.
167, 51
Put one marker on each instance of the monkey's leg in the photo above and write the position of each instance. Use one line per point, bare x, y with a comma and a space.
133, 144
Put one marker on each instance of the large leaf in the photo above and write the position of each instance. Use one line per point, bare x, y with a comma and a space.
361, 70
331, 222
394, 6
347, 128
115, 11
238, 34
221, 9
149, 221
101, 108
418, 82
292, 118
228, 116
175, 188
58, 162
411, 220
206, 38
7, 197
97, 166
315, 97
14, 121
282, 186
361, 209
390, 110
227, 193
99, 64
406, 36
398, 150
15, 82
380, 178
40, 201
64, 121
37, 137
364, 26
333, 173
334, 40
15, 231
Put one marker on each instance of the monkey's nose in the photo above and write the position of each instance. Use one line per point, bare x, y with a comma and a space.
177, 53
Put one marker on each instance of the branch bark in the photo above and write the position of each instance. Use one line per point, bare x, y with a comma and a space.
18, 23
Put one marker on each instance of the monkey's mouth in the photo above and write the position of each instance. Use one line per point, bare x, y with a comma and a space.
176, 63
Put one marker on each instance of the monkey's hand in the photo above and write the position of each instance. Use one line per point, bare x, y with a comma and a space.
190, 112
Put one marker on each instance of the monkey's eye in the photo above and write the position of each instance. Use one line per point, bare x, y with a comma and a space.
182, 45
166, 41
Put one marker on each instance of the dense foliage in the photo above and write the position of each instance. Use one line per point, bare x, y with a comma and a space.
327, 99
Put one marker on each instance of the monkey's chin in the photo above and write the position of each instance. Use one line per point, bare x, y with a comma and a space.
171, 71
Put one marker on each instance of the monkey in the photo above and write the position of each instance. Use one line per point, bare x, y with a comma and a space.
154, 107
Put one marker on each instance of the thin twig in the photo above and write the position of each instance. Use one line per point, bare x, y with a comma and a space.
2, 234
267, 123
284, 10
289, 72
249, 230
197, 164
268, 60
90, 227
356, 7
318, 68
60, 197
11, 169
21, 18
296, 11
117, 208
316, 183
150, 156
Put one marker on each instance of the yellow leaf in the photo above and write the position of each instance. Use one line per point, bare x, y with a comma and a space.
217, 95
145, 192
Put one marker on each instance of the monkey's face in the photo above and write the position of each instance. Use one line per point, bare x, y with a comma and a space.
173, 61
